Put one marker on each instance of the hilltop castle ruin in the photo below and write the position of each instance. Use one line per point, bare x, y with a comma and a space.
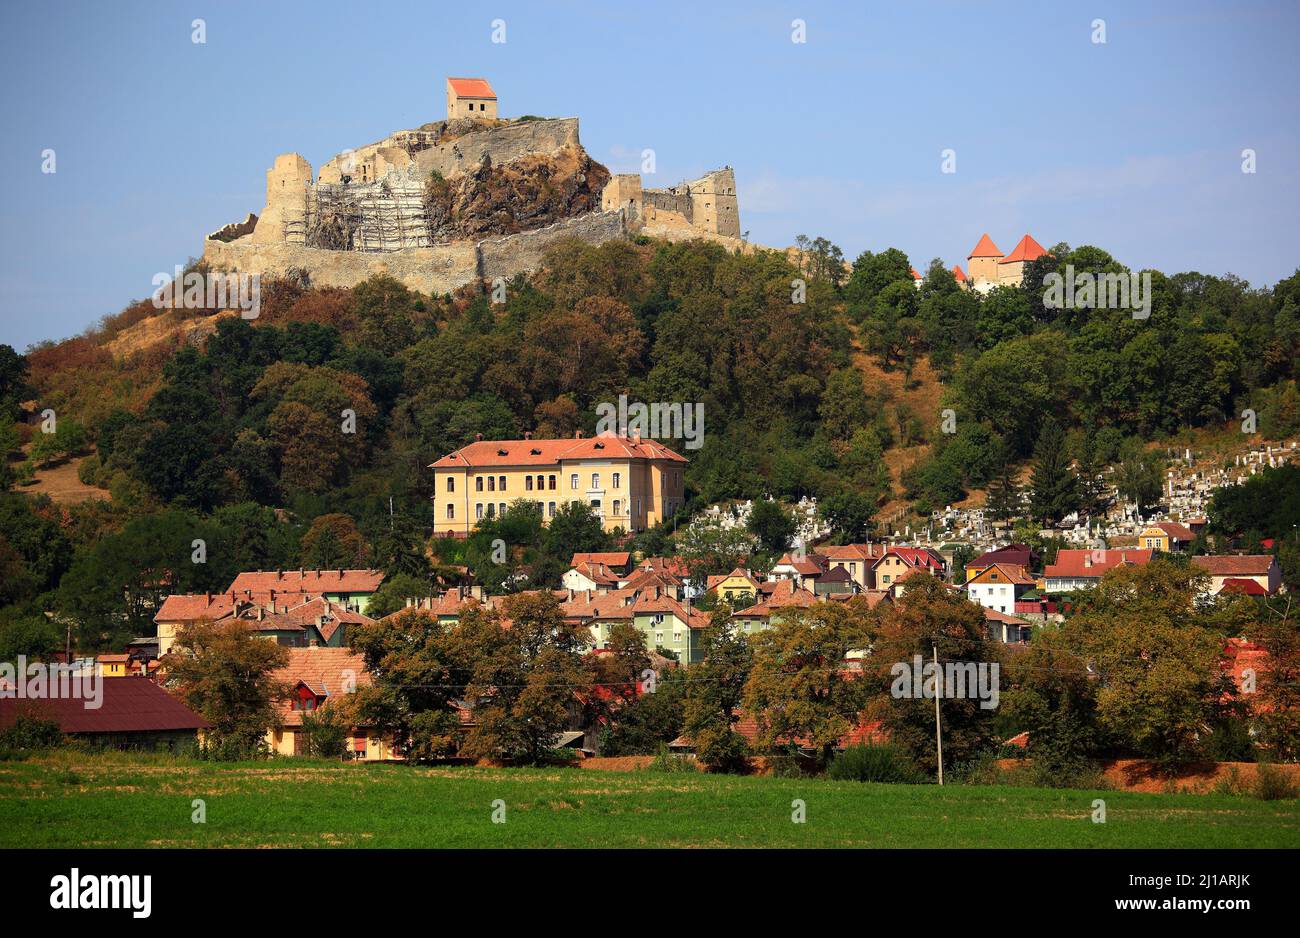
472, 197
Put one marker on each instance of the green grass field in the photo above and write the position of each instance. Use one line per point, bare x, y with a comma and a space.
75, 800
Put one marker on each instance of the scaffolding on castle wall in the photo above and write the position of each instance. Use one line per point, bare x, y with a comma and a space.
386, 215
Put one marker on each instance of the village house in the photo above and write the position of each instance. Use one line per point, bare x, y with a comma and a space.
1000, 586
803, 571
316, 677
1019, 555
1083, 569
1239, 570
857, 559
629, 483
898, 563
734, 587
1166, 536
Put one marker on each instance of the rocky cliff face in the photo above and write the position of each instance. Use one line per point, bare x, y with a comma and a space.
532, 192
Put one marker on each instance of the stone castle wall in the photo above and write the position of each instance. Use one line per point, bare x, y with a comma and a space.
513, 254
441, 268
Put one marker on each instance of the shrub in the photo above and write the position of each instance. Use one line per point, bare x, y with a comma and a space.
31, 732
670, 762
876, 763
326, 732
1272, 784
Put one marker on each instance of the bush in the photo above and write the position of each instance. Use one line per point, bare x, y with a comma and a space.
230, 749
875, 763
1272, 784
326, 732
30, 732
670, 762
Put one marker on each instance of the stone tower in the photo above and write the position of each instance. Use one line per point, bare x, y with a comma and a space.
286, 197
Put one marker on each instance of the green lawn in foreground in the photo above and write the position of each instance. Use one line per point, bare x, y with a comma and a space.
75, 800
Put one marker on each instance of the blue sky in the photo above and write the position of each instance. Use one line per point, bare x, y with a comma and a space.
1134, 145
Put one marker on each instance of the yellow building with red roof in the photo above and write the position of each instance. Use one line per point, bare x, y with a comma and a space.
629, 482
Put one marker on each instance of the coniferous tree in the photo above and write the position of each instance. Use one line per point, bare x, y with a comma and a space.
1004, 497
1054, 489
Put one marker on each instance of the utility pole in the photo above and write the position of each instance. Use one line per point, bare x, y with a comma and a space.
938, 733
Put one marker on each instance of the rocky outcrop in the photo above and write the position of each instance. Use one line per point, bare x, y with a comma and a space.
532, 192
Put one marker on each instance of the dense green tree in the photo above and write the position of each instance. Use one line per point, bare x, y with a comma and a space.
1054, 489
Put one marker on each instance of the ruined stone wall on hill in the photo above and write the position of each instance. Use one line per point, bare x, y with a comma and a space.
513, 254
441, 268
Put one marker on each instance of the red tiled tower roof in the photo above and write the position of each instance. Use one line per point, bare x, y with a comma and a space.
985, 248
1027, 250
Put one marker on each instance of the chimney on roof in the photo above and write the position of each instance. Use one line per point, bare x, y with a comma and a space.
1087, 560
312, 644
478, 436
570, 595
261, 613
528, 434
207, 599
577, 434
477, 592
636, 435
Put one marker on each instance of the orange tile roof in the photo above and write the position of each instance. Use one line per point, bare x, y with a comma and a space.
483, 453
853, 551
618, 558
191, 607
308, 581
985, 248
958, 274
1006, 573
324, 670
1027, 250
915, 275
472, 88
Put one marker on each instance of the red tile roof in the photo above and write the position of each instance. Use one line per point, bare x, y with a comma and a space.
915, 557
915, 275
958, 274
1027, 250
1018, 554
1176, 531
472, 88
1235, 564
1245, 587
129, 705
985, 248
485, 453
1075, 563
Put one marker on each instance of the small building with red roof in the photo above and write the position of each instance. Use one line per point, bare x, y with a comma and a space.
471, 97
